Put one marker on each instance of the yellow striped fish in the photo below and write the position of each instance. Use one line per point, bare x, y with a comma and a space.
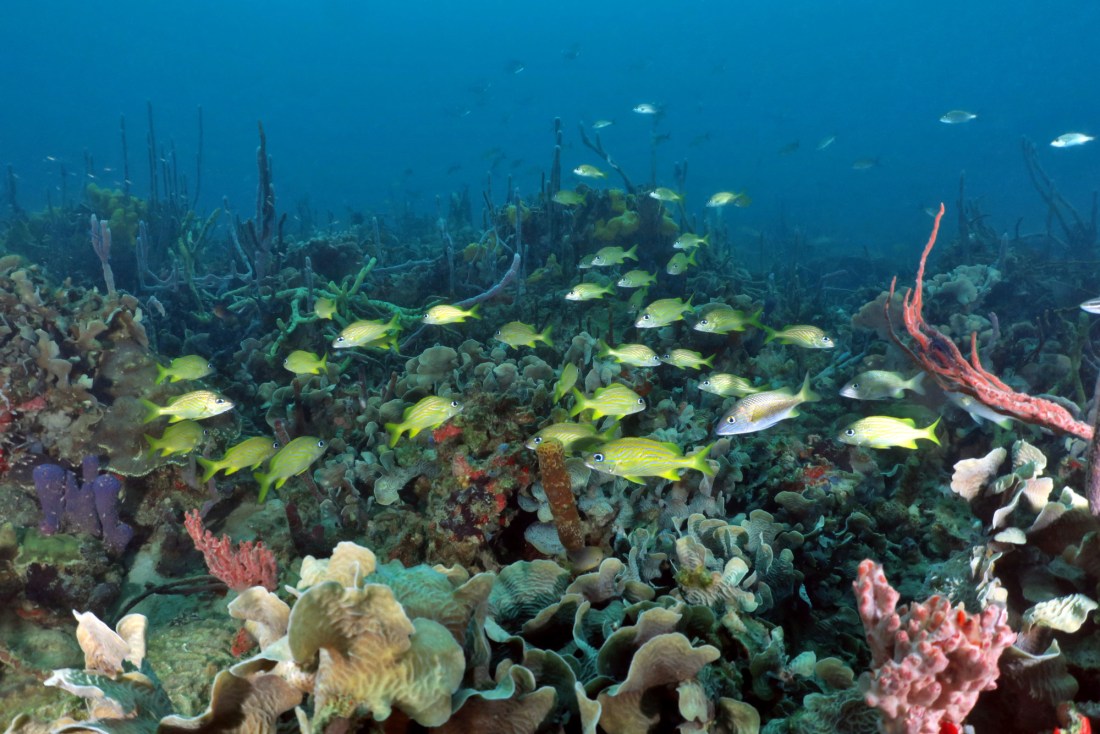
801, 335
429, 412
301, 362
635, 458
635, 355
366, 334
248, 454
724, 384
616, 399
194, 405
764, 410
882, 432
725, 319
179, 438
572, 435
686, 359
290, 461
663, 312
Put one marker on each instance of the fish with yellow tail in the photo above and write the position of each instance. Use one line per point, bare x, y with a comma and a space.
178, 438
191, 406
446, 314
367, 333
801, 335
690, 241
637, 279
764, 409
680, 263
248, 454
191, 367
883, 432
324, 308
290, 461
301, 362
637, 458
686, 359
572, 435
429, 412
616, 399
566, 380
613, 255
518, 334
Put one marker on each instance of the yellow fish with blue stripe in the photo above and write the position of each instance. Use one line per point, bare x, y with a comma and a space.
178, 438
429, 412
636, 458
724, 319
883, 432
635, 355
195, 405
290, 461
191, 367
324, 308
447, 314
518, 334
248, 454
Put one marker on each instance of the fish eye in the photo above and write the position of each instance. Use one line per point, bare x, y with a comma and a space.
597, 457
705, 382
537, 439
731, 419
219, 401
205, 432
667, 356
826, 339
274, 444
850, 432
320, 444
339, 339
855, 385
454, 403
285, 361
641, 401
498, 333
704, 322
645, 317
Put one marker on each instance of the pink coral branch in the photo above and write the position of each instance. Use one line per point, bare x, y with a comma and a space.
250, 564
938, 355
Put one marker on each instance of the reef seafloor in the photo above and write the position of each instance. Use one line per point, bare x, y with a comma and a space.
590, 465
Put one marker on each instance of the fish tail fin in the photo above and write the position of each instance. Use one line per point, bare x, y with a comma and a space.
698, 460
394, 430
152, 410
687, 303
709, 361
544, 336
771, 334
210, 468
473, 312
154, 445
265, 484
916, 384
632, 253
930, 432
324, 362
806, 393
608, 433
602, 349
754, 320
706, 239
162, 373
580, 402
691, 257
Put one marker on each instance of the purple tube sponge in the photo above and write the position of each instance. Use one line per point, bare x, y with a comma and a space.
90, 507
49, 482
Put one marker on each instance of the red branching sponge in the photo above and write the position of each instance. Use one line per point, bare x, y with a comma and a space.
249, 564
930, 661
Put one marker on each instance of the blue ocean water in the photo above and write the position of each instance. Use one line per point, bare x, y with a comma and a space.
382, 107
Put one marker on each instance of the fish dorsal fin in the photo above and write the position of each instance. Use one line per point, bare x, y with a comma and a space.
908, 421
673, 447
